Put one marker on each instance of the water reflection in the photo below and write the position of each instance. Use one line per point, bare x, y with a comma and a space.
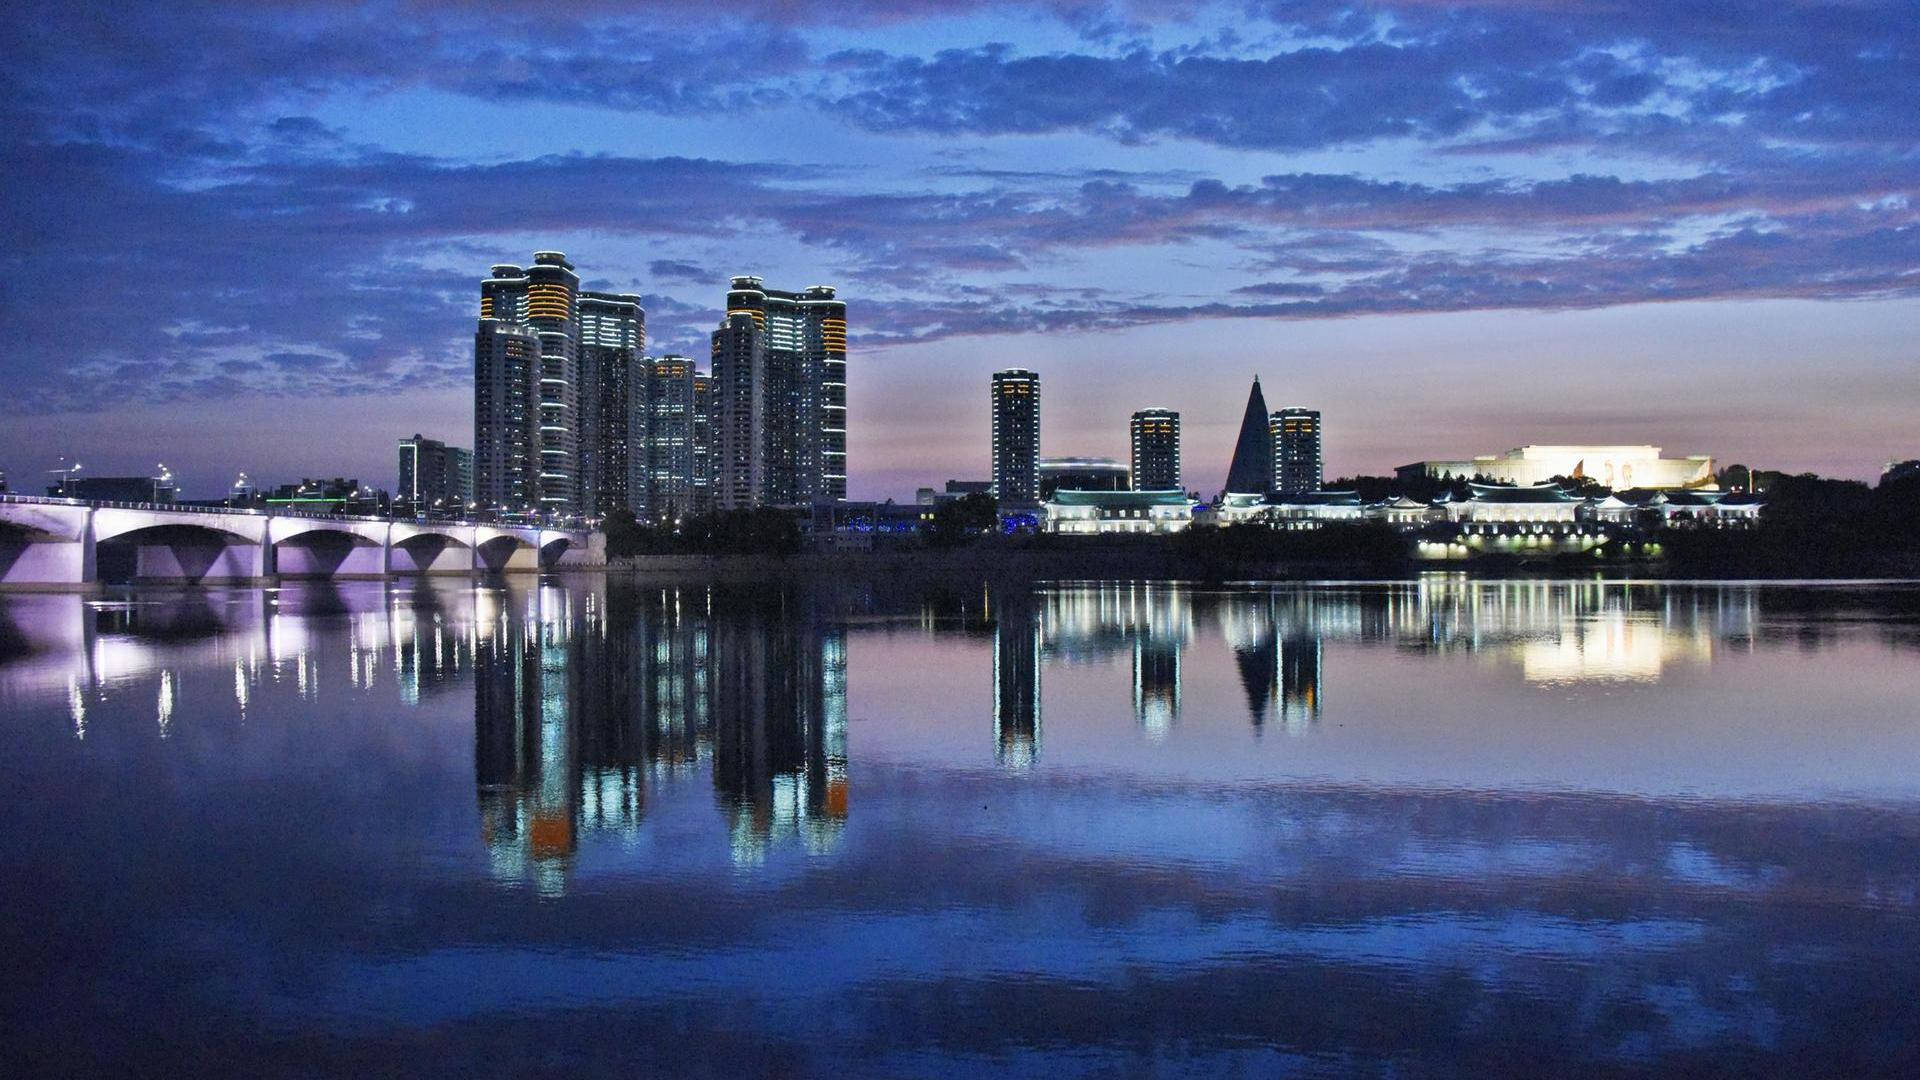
1437, 826
591, 698
586, 696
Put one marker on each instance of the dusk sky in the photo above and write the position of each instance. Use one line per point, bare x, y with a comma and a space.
251, 235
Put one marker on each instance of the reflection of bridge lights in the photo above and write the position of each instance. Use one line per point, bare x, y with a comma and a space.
165, 707
77, 707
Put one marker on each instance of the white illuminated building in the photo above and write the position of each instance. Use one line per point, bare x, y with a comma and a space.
1091, 512
1612, 466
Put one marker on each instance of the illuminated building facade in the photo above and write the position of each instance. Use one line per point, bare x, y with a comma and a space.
613, 336
1091, 512
434, 477
552, 373
1611, 466
670, 470
1295, 434
739, 413
1154, 435
1016, 435
506, 415
800, 370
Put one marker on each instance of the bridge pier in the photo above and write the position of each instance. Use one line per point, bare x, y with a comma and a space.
207, 563
49, 552
62, 565
430, 553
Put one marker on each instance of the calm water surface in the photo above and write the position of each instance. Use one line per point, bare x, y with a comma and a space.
1444, 827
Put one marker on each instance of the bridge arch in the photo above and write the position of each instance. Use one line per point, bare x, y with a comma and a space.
314, 548
498, 550
177, 550
552, 547
418, 550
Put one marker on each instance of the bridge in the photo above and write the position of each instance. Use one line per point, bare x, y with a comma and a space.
60, 543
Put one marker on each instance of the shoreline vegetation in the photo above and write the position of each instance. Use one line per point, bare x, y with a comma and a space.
1810, 528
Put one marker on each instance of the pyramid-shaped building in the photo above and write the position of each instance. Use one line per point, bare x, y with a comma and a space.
1252, 470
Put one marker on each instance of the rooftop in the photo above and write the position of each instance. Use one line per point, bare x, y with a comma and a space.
1117, 499
1319, 498
1538, 493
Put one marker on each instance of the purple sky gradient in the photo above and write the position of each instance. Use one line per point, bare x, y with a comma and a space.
250, 237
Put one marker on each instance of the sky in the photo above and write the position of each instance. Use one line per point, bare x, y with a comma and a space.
250, 235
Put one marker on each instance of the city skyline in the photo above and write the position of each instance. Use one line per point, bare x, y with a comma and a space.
1494, 225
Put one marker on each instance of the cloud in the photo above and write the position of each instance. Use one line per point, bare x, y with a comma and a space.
676, 270
215, 235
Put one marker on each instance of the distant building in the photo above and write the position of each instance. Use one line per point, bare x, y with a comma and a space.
1081, 474
613, 337
739, 413
1611, 466
552, 371
336, 496
670, 467
1094, 512
1154, 435
1318, 507
800, 369
1251, 471
139, 489
540, 302
955, 489
433, 476
506, 413
1895, 470
1533, 504
1016, 435
1295, 434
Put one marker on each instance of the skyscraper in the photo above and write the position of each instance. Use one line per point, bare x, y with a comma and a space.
506, 410
1156, 450
434, 477
669, 474
1251, 472
740, 434
1016, 435
613, 335
550, 426
1296, 450
804, 389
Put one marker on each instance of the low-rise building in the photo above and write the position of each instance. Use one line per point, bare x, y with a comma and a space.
1310, 509
1094, 512
1236, 509
1534, 504
1407, 514
1611, 466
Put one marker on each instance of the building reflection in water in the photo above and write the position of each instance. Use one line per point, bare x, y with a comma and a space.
1016, 683
589, 698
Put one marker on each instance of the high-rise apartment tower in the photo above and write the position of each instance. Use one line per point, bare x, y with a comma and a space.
802, 380
1156, 450
1016, 435
1296, 450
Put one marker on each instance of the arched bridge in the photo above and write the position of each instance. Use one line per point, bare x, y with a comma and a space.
60, 543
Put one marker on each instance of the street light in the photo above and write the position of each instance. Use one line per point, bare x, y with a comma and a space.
65, 471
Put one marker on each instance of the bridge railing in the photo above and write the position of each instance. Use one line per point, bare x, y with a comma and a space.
313, 515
